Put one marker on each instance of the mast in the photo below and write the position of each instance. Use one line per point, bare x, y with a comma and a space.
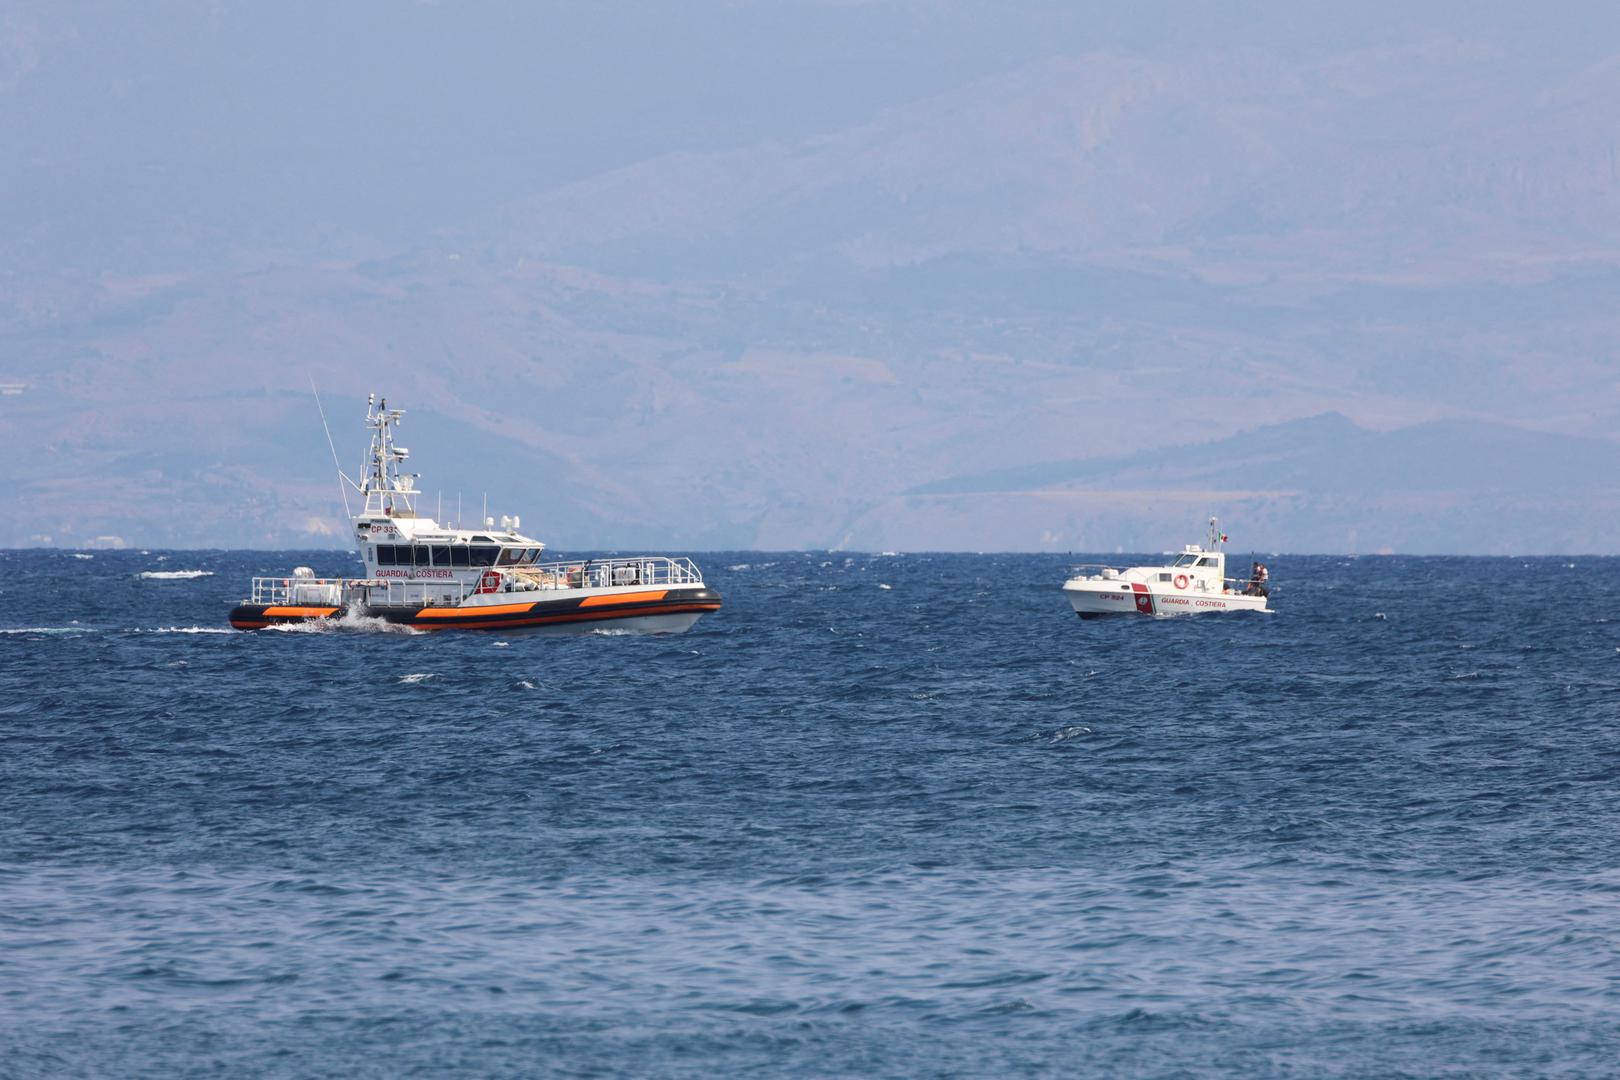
388, 491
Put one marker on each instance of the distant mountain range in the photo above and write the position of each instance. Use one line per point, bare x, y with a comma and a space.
1320, 484
1350, 298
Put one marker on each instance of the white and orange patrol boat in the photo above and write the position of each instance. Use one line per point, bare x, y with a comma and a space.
419, 573
1192, 582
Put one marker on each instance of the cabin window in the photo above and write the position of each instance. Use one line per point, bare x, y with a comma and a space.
484, 555
1206, 562
531, 556
384, 554
459, 556
509, 556
419, 554
1186, 560
1164, 577
441, 555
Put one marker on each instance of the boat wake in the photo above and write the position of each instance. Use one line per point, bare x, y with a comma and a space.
1074, 731
47, 630
174, 575
348, 623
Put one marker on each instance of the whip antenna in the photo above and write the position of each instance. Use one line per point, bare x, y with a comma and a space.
343, 491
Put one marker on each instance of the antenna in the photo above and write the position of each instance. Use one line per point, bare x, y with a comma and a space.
343, 491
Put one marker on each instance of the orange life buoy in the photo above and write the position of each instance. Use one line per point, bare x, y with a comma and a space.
1181, 581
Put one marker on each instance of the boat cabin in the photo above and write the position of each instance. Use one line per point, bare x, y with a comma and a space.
470, 552
395, 542
1194, 556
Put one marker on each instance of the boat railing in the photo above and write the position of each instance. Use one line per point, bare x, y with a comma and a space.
1243, 586
1093, 570
643, 571
401, 592
297, 591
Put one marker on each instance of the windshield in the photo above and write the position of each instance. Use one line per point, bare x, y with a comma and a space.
1185, 560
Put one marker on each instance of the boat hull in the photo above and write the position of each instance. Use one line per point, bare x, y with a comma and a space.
1094, 599
662, 611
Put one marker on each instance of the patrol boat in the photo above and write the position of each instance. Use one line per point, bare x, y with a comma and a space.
421, 574
1194, 581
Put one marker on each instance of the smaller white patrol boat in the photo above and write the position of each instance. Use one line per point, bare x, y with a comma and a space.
421, 574
1194, 581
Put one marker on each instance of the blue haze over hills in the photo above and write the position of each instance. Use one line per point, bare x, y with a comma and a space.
876, 275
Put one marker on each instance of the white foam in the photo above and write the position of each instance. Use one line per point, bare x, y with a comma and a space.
882, 586
526, 684
418, 677
175, 575
78, 555
354, 622
188, 630
740, 566
350, 622
612, 631
47, 630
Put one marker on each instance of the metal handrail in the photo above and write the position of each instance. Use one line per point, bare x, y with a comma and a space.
640, 571
275, 591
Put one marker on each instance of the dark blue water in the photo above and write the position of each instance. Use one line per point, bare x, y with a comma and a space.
939, 828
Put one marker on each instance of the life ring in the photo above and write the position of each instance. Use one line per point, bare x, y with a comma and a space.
1181, 581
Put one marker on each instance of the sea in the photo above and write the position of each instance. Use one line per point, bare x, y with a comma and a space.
883, 815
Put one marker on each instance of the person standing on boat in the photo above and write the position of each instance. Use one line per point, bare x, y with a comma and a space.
1257, 580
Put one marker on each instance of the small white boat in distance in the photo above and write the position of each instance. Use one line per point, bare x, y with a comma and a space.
1194, 581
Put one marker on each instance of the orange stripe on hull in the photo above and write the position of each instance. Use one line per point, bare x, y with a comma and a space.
576, 616
623, 598
299, 612
472, 612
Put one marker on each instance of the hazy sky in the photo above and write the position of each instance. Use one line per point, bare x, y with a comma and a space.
141, 135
